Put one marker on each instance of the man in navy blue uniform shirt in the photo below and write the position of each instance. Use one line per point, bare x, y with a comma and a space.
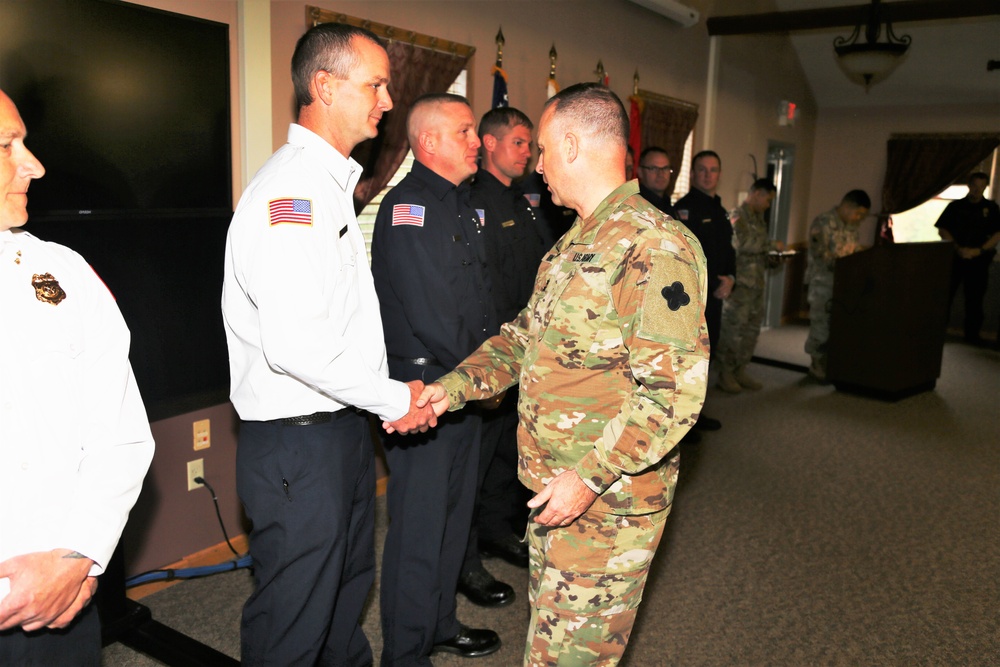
702, 211
973, 223
429, 264
516, 237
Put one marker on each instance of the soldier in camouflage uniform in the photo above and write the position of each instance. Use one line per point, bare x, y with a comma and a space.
743, 311
611, 360
831, 235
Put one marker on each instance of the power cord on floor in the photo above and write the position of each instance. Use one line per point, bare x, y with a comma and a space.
193, 572
215, 499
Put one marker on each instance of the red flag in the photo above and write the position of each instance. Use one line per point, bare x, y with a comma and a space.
635, 131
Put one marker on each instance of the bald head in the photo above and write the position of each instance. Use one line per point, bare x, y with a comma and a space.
442, 133
581, 140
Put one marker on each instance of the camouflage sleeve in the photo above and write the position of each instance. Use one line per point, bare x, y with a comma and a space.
746, 239
821, 244
495, 366
658, 293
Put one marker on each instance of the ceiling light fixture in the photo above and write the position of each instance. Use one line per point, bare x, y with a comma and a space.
871, 61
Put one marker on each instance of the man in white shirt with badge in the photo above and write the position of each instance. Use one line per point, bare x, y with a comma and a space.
74, 440
306, 357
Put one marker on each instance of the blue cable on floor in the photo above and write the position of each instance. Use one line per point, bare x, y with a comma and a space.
189, 572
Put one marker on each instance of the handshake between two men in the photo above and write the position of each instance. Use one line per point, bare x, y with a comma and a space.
565, 498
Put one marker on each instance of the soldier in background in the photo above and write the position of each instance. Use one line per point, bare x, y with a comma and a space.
743, 312
611, 357
832, 235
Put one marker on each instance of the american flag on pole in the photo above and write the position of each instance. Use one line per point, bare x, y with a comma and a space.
408, 214
294, 211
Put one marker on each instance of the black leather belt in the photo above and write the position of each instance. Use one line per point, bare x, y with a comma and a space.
419, 361
319, 417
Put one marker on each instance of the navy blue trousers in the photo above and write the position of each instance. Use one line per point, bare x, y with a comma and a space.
78, 645
432, 488
310, 493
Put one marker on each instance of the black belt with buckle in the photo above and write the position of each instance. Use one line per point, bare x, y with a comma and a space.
320, 417
308, 420
419, 361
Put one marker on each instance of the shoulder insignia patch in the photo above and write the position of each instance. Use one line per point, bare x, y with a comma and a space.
481, 212
682, 213
671, 307
291, 211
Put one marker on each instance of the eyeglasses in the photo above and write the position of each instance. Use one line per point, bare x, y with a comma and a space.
658, 170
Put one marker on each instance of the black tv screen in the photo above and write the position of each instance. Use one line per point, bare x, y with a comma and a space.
126, 106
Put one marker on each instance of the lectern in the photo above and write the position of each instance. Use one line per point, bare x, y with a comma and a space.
888, 318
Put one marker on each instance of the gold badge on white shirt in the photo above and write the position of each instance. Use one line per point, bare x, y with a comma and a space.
47, 289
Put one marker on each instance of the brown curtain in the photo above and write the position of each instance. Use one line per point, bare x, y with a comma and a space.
920, 166
667, 123
413, 71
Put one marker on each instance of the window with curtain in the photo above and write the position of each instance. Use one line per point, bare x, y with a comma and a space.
917, 223
920, 166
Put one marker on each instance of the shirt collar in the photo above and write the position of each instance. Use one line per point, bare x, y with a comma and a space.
589, 228
437, 184
344, 170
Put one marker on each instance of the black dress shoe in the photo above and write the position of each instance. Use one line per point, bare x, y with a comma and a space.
483, 589
508, 548
471, 643
707, 424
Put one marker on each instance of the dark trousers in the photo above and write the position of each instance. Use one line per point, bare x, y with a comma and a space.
432, 488
972, 274
500, 508
78, 645
310, 493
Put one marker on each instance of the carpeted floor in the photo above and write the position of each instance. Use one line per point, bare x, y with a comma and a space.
816, 528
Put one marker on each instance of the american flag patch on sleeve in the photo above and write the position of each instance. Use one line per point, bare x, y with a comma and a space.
481, 212
408, 214
534, 199
294, 211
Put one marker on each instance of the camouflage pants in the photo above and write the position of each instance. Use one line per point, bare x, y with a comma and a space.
820, 295
585, 585
742, 315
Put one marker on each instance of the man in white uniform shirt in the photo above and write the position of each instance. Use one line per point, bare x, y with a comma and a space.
74, 440
306, 356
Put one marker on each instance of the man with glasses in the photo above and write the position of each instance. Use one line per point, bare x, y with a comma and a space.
655, 174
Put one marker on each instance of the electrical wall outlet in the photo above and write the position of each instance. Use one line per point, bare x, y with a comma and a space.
202, 434
196, 468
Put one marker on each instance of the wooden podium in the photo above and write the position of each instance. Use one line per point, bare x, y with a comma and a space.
888, 318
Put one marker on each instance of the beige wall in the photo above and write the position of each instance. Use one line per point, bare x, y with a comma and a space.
851, 146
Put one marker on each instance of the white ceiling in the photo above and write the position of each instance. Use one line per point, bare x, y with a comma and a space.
946, 62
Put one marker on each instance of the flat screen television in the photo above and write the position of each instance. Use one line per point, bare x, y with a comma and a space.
128, 109
126, 106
